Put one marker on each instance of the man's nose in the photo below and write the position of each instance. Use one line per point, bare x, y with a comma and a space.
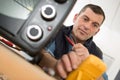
87, 26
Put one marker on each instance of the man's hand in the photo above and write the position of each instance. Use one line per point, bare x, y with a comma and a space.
70, 61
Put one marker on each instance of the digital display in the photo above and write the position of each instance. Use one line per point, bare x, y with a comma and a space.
17, 8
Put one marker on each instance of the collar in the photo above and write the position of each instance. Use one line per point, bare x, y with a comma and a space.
88, 42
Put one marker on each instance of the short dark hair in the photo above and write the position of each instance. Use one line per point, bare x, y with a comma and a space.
95, 8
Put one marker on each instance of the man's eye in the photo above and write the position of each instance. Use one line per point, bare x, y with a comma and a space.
85, 19
95, 25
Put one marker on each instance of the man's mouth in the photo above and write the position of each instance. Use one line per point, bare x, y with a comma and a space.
83, 32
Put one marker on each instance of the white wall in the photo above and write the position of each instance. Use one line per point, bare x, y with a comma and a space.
108, 39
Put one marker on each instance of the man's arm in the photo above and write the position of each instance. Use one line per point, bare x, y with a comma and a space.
47, 60
64, 65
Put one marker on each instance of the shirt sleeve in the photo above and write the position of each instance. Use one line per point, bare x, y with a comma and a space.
50, 48
105, 76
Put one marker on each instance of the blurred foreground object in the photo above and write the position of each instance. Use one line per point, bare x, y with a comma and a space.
90, 69
14, 67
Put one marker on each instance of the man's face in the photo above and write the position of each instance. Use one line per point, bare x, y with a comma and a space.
86, 24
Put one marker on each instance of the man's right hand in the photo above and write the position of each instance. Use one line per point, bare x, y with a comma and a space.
72, 60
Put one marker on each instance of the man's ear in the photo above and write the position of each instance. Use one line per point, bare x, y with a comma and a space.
75, 17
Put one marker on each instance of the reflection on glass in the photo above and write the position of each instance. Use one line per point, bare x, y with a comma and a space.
28, 4
17, 8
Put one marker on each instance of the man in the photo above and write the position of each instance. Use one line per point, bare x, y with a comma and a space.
86, 24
